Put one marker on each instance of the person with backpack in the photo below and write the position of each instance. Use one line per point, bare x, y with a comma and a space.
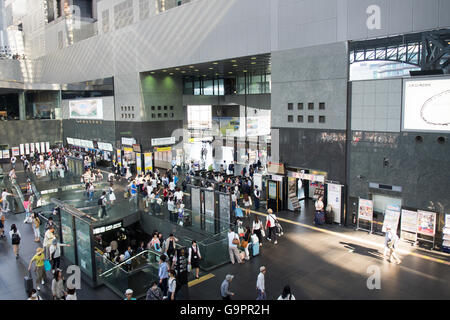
286, 295
15, 239
102, 203
154, 293
35, 223
172, 285
38, 259
271, 226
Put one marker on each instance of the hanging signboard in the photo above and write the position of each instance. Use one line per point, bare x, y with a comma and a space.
408, 225
22, 149
148, 162
426, 223
334, 197
257, 180
275, 168
163, 149
163, 141
69, 140
128, 141
15, 151
391, 217
365, 211
307, 176
105, 146
27, 148
138, 163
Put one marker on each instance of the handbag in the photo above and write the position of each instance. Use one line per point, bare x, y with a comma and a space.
244, 244
236, 241
47, 265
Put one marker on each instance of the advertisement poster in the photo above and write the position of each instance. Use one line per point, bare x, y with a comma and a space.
409, 221
32, 147
119, 157
334, 193
38, 147
391, 217
15, 151
426, 104
47, 146
27, 148
148, 162
138, 163
426, 223
43, 147
365, 211
5, 154
86, 109
22, 149
272, 190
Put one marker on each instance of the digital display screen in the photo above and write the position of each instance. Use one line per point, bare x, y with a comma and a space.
86, 109
426, 105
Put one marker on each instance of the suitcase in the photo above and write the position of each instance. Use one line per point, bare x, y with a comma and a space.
329, 217
319, 218
28, 280
239, 213
255, 249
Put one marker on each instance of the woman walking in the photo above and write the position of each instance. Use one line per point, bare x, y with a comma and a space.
247, 204
55, 253
112, 196
35, 223
58, 286
39, 258
246, 241
194, 257
15, 239
257, 229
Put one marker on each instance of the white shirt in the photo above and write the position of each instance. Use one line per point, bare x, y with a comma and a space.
256, 226
149, 190
260, 282
4, 195
179, 195
172, 186
231, 236
172, 285
13, 160
71, 296
271, 218
288, 297
319, 205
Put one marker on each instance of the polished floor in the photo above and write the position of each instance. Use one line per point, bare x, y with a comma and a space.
326, 262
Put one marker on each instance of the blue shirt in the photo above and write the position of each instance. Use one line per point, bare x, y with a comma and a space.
163, 272
133, 189
128, 256
175, 180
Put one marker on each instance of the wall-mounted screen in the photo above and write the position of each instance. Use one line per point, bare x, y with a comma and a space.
86, 109
426, 104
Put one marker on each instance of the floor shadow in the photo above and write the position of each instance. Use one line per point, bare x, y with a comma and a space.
368, 252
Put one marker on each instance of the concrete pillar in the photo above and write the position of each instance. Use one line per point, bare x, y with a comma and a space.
22, 109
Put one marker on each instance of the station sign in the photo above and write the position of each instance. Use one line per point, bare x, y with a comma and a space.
163, 141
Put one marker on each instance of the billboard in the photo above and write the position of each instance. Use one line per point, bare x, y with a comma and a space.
86, 109
426, 105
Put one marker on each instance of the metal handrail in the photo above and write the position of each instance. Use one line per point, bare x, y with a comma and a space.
125, 262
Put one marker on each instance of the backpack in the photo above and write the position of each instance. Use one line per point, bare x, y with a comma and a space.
15, 238
100, 201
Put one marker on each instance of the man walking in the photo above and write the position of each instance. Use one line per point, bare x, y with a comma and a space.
233, 241
5, 202
225, 292
271, 226
102, 203
260, 284
257, 197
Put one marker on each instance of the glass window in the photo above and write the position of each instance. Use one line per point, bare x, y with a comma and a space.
290, 106
197, 90
208, 89
68, 236
199, 117
299, 118
300, 106
322, 119
321, 105
311, 106
310, 119
84, 246
290, 118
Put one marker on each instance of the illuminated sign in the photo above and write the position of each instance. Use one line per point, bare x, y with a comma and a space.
107, 228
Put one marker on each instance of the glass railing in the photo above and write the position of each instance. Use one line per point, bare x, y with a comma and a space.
136, 273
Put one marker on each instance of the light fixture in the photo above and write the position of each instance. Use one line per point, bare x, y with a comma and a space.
177, 68
164, 70
253, 58
153, 72
253, 62
229, 72
233, 60
204, 75
244, 70
171, 73
215, 63
210, 68
191, 67
196, 69
183, 71
235, 65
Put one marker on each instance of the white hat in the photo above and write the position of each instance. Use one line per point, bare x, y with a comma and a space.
229, 277
262, 268
129, 291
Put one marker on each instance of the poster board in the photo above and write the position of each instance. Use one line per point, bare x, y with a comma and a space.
86, 109
119, 157
365, 210
32, 147
391, 217
148, 162
272, 190
22, 149
408, 225
426, 223
15, 151
47, 146
27, 148
5, 154
43, 147
210, 221
257, 180
138, 163
334, 197
38, 147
